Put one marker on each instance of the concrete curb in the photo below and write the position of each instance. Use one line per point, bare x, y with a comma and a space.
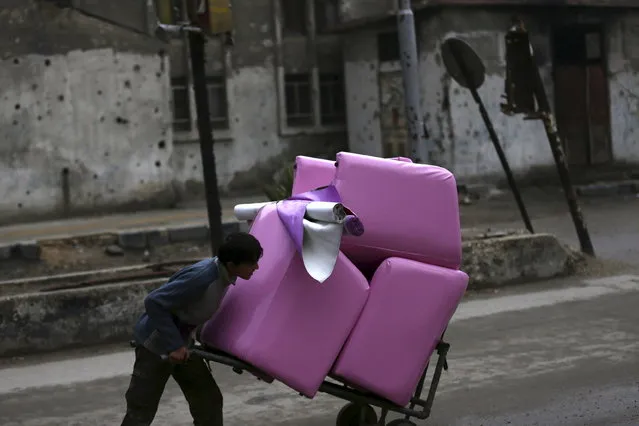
130, 239
49, 321
603, 189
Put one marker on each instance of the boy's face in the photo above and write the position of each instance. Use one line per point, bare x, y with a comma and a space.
243, 270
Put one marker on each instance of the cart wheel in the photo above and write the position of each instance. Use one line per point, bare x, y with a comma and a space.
351, 415
401, 422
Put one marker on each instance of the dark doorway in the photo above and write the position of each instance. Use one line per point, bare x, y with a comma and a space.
582, 101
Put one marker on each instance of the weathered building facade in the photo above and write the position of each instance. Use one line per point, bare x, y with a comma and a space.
98, 115
588, 56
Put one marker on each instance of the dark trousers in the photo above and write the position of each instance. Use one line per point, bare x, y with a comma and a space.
150, 374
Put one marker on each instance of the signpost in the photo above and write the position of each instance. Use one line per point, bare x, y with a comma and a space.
205, 18
467, 69
524, 86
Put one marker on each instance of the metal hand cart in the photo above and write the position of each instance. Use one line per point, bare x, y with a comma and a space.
360, 408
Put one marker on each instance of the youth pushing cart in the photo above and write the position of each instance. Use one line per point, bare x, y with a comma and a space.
360, 410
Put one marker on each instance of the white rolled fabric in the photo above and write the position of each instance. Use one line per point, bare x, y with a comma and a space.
320, 248
248, 212
322, 211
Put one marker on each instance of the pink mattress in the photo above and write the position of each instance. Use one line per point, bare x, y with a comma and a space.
281, 320
409, 210
409, 307
312, 173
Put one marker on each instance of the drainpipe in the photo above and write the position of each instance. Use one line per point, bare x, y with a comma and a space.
410, 72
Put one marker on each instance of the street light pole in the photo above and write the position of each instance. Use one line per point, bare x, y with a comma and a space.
409, 59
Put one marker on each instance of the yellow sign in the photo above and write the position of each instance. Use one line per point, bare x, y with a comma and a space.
220, 16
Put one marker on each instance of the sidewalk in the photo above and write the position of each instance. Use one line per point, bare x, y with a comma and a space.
118, 222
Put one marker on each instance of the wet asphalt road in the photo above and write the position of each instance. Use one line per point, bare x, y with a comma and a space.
559, 353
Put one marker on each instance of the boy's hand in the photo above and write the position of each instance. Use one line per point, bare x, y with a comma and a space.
179, 356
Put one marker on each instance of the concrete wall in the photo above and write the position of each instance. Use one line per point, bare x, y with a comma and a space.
84, 103
258, 141
623, 69
458, 138
86, 118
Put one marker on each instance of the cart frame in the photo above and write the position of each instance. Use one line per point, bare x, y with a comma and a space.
355, 397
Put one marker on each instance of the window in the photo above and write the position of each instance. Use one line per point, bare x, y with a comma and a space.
299, 108
294, 17
332, 100
388, 47
326, 15
218, 105
181, 108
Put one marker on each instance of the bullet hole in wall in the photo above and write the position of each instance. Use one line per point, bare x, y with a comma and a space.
17, 106
142, 181
194, 167
138, 165
95, 176
106, 154
99, 92
156, 110
158, 164
121, 120
136, 68
34, 87
19, 205
16, 61
191, 156
47, 62
102, 119
28, 192
15, 122
39, 118
161, 144
61, 98
118, 103
158, 75
127, 84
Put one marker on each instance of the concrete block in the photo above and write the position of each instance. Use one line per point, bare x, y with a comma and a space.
188, 233
29, 250
6, 251
42, 322
496, 262
132, 239
157, 237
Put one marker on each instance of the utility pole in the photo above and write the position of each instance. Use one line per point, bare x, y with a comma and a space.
409, 59
205, 18
214, 209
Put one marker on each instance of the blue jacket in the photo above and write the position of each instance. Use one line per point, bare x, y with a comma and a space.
187, 300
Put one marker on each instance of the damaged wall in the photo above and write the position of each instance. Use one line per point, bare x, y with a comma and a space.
85, 118
458, 138
258, 141
86, 123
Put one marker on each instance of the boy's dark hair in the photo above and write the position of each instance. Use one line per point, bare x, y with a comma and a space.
239, 248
